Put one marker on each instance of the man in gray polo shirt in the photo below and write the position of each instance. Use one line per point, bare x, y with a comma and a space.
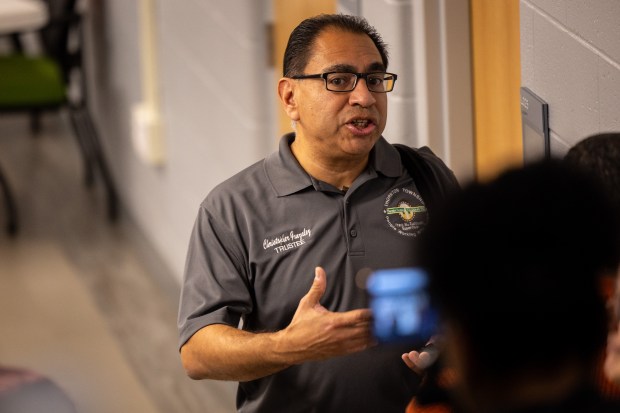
277, 248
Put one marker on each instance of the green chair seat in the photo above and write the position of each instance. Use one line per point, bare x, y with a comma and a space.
34, 85
30, 82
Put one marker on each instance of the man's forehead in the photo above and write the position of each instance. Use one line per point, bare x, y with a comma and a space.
339, 50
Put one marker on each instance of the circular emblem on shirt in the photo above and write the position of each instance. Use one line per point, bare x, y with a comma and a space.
405, 212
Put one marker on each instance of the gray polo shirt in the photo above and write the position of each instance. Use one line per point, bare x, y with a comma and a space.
258, 237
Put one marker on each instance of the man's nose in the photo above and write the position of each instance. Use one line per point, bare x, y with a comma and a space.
360, 95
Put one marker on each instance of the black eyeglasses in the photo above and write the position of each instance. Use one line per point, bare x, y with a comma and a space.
379, 82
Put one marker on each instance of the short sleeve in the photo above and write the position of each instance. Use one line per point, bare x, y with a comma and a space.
215, 287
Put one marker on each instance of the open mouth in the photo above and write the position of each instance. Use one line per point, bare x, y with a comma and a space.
361, 123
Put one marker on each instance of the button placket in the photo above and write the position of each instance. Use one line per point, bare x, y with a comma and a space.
354, 240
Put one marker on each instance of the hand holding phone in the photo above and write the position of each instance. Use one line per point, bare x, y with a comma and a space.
422, 359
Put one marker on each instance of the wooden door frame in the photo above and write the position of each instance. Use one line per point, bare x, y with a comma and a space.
496, 64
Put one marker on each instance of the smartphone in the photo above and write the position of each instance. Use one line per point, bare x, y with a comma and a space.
401, 306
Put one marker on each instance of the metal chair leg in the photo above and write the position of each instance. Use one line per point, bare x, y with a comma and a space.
11, 209
16, 43
89, 135
35, 122
80, 133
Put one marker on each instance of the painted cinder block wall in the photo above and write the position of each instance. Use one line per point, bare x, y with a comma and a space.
570, 57
214, 85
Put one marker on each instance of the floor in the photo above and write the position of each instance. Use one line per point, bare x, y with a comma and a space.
83, 301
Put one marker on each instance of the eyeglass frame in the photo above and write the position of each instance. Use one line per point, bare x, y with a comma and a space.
357, 77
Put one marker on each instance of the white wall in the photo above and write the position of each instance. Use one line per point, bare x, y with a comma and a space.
393, 20
429, 49
570, 57
215, 91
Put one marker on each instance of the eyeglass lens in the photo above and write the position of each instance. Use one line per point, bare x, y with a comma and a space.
345, 82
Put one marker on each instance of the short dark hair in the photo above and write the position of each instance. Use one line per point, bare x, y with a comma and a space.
599, 155
515, 262
302, 39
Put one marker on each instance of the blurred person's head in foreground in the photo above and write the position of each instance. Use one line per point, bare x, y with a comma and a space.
513, 267
599, 155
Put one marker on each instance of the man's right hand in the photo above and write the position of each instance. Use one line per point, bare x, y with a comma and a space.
222, 352
316, 333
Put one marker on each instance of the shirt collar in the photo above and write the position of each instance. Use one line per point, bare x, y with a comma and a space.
288, 177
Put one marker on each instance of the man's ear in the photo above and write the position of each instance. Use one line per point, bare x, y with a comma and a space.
286, 92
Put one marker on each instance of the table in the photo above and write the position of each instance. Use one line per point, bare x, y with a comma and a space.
22, 15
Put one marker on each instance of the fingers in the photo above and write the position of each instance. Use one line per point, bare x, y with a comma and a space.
317, 289
425, 360
355, 317
418, 361
349, 332
408, 362
322, 333
320, 278
312, 301
411, 359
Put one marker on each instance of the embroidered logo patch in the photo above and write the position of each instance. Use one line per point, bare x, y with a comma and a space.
405, 212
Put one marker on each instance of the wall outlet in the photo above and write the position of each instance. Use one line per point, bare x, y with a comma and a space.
146, 135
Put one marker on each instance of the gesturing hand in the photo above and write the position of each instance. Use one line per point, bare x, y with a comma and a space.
316, 333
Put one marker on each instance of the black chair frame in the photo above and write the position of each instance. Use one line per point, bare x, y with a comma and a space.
66, 21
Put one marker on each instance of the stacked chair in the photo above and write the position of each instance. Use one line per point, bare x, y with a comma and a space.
35, 84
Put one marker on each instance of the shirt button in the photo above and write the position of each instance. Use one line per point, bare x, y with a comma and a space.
353, 233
